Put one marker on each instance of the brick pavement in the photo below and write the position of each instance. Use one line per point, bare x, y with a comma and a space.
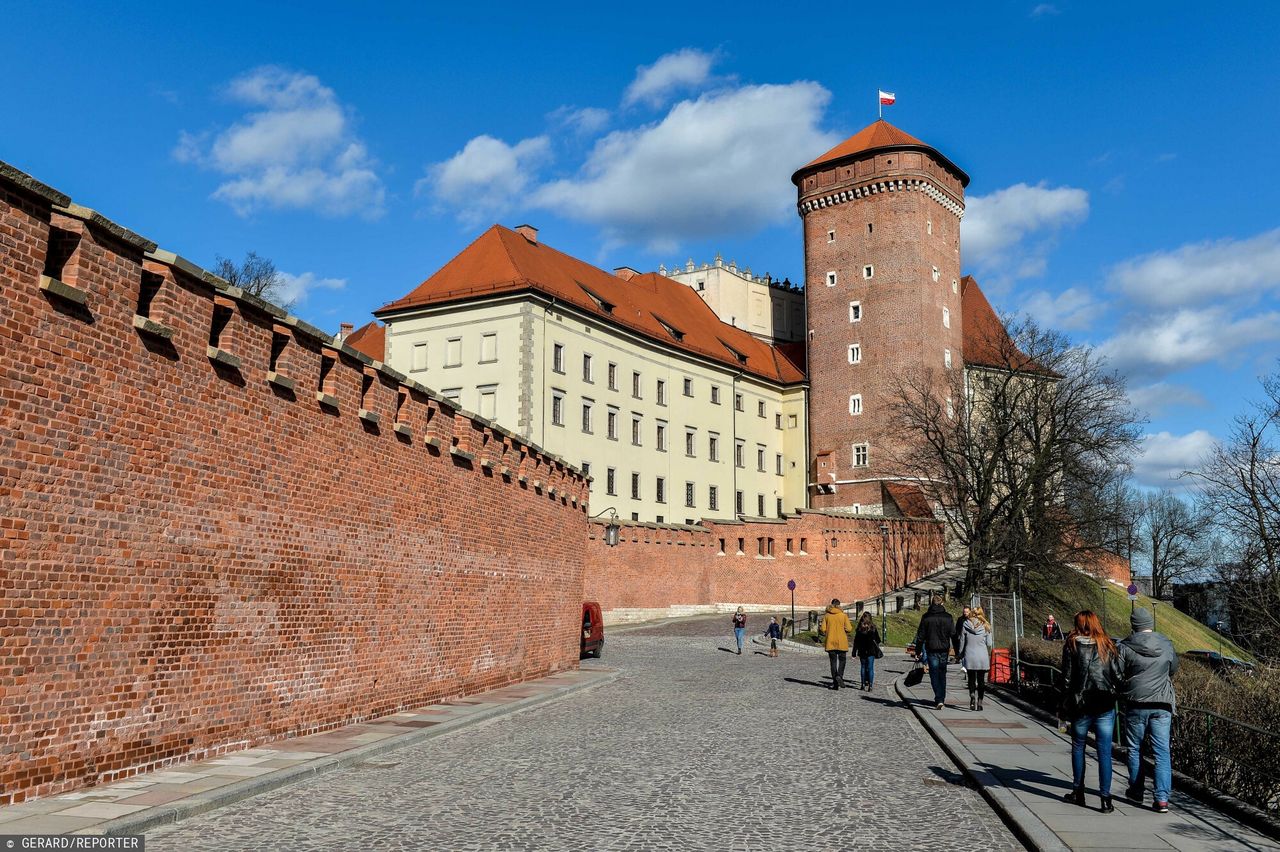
1024, 768
689, 747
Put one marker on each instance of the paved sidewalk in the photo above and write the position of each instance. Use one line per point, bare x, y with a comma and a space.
1024, 768
157, 798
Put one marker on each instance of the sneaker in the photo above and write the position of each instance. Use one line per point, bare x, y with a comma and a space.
939, 707
1162, 807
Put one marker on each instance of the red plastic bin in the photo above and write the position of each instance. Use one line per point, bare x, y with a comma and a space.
1001, 666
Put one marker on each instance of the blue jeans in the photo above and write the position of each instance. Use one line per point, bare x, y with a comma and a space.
740, 634
937, 662
1104, 727
1137, 722
868, 670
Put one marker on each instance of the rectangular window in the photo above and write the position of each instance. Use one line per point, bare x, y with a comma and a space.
588, 372
661, 436
688, 494
713, 447
691, 442
635, 431
613, 377
452, 394
488, 348
946, 358
855, 353
688, 387
777, 420
611, 482
855, 404
557, 408
488, 402
635, 486
859, 455
586, 468
793, 421
715, 395
611, 424
737, 507
713, 500
419, 357
777, 459
759, 505
955, 286
760, 408
662, 392
780, 514
760, 459
660, 489
453, 352
936, 274
635, 385
946, 318
739, 453
855, 312
557, 357
831, 279
737, 402
868, 271
586, 416
831, 236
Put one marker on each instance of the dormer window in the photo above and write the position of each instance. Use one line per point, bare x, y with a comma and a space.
601, 303
676, 334
742, 359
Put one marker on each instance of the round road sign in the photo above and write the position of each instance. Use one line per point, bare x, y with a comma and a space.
791, 584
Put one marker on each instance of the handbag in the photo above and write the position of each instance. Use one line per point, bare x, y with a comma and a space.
879, 652
914, 676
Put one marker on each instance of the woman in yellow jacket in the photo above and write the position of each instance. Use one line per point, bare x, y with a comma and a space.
836, 626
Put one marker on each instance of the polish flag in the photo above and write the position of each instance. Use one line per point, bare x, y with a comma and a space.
887, 98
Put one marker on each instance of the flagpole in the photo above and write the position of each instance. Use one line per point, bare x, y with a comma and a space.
879, 106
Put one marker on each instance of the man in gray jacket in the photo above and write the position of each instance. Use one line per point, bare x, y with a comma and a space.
1149, 662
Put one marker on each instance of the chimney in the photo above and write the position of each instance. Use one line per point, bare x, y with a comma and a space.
529, 232
626, 273
344, 331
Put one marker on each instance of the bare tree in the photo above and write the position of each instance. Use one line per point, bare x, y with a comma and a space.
255, 275
1169, 532
1024, 452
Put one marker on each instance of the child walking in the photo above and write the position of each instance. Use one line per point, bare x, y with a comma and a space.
774, 633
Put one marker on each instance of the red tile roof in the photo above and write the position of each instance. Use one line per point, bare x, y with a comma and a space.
986, 342
910, 500
371, 339
501, 261
874, 137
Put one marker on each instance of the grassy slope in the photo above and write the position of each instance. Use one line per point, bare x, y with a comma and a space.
1065, 596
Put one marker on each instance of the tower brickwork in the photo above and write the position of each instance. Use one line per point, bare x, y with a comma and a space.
881, 216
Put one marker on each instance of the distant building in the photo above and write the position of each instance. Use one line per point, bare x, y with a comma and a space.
771, 310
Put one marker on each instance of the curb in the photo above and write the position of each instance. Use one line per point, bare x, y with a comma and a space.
239, 790
1239, 810
1024, 823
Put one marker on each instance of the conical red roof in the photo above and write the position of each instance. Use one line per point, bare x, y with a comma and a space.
874, 137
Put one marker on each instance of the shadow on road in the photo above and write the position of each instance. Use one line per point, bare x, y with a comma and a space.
728, 650
1031, 780
826, 685
885, 701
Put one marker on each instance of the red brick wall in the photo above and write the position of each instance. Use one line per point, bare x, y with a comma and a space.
901, 332
657, 567
195, 560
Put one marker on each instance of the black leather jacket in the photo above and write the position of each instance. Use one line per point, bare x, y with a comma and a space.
1088, 685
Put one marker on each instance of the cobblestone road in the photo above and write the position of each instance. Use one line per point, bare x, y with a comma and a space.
690, 748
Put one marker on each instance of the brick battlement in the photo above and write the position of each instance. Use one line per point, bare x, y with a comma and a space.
219, 526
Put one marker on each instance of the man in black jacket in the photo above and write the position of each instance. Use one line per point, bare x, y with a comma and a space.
934, 640
1149, 662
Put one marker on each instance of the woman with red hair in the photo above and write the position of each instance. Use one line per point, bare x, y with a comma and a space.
1088, 684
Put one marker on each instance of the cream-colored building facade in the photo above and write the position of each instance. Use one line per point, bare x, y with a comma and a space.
771, 310
666, 435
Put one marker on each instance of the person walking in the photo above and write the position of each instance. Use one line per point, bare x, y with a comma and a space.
955, 640
934, 640
740, 628
836, 626
1088, 683
866, 645
774, 632
1052, 632
974, 653
1148, 663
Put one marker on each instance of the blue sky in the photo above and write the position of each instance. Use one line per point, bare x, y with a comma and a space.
1121, 154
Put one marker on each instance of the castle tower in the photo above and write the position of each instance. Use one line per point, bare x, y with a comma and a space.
881, 215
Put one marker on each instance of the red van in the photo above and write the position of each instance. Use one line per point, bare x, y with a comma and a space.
592, 630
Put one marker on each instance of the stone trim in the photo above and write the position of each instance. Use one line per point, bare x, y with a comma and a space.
898, 185
66, 292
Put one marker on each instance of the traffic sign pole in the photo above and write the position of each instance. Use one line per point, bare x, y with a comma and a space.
791, 584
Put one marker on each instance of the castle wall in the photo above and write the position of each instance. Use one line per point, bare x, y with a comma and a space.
658, 570
201, 555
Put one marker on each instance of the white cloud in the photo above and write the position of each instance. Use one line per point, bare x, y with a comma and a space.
1008, 233
696, 173
486, 177
1045, 9
294, 289
294, 149
1160, 345
679, 71
1070, 310
1164, 456
1202, 272
1160, 397
584, 120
